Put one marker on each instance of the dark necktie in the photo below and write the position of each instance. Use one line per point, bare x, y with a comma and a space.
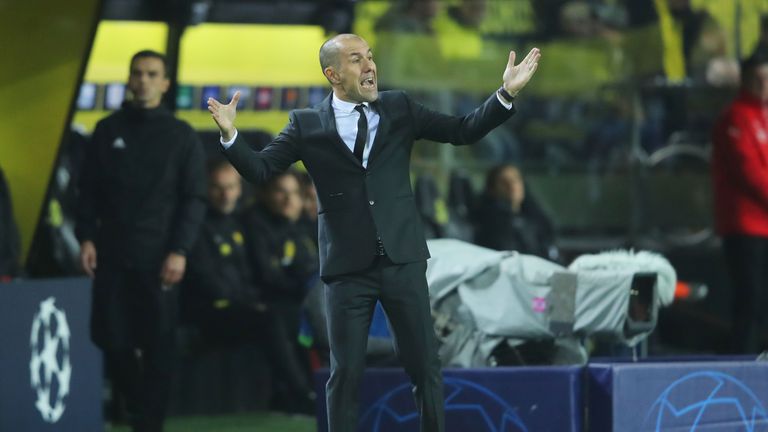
362, 133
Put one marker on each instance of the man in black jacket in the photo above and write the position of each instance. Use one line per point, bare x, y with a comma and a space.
221, 297
356, 145
507, 216
283, 255
140, 206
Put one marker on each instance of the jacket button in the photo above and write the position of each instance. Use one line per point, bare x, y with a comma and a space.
371, 202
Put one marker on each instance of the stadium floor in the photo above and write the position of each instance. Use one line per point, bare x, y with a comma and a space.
251, 422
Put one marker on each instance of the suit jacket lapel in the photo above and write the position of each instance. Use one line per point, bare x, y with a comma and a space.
381, 132
329, 127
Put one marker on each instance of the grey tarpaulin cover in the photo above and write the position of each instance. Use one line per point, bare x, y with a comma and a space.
481, 298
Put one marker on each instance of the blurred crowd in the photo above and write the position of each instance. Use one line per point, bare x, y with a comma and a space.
616, 84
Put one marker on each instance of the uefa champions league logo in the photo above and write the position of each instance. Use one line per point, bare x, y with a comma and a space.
700, 400
50, 368
465, 403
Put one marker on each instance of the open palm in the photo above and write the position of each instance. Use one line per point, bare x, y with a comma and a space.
224, 115
515, 77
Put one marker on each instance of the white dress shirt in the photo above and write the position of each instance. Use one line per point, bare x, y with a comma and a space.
346, 124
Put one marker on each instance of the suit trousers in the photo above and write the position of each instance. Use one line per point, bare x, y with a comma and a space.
350, 300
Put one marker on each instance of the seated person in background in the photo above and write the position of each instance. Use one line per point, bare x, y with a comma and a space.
506, 218
220, 297
283, 254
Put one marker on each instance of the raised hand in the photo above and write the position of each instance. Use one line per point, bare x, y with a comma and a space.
516, 77
224, 115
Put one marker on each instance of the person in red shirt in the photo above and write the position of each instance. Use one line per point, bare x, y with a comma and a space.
740, 186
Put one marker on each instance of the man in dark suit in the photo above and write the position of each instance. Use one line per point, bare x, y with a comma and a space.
356, 145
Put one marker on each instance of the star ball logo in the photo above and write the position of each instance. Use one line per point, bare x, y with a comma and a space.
705, 400
466, 403
50, 368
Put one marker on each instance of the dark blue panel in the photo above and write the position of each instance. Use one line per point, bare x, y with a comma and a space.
478, 400
693, 396
45, 323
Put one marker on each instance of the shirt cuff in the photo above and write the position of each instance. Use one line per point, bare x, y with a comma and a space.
228, 144
507, 105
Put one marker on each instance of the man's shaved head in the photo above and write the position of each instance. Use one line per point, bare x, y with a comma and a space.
347, 63
329, 51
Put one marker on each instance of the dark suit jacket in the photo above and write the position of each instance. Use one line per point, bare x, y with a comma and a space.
356, 204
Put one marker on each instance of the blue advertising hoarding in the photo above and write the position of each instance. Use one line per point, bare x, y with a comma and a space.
522, 399
50, 372
678, 396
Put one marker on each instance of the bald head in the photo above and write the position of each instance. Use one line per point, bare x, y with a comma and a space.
330, 50
347, 63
